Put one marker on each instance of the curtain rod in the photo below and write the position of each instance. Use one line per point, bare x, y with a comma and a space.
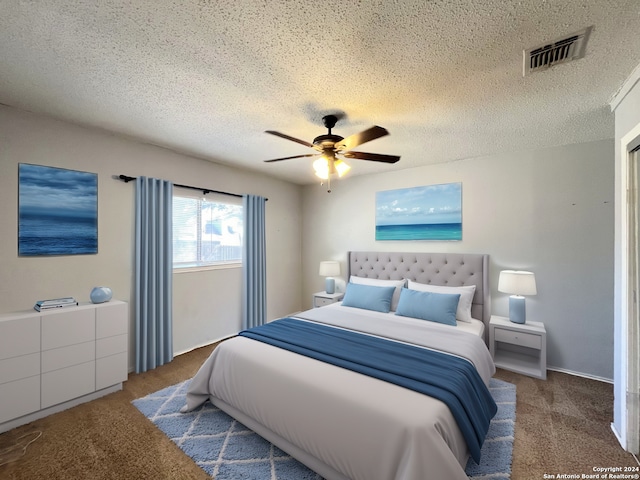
127, 179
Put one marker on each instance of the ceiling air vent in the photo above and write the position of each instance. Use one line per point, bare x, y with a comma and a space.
562, 50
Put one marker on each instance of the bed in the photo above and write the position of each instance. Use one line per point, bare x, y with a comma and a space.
344, 424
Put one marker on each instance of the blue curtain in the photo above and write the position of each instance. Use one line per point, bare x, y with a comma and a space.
254, 278
154, 273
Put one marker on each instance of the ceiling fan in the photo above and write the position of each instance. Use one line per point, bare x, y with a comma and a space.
329, 146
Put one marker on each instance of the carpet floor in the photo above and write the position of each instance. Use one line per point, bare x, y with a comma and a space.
562, 427
227, 450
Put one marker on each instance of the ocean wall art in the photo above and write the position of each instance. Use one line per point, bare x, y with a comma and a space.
432, 212
57, 211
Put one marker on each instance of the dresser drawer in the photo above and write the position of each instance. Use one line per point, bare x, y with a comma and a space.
68, 383
17, 368
112, 319
19, 398
75, 325
111, 370
111, 345
68, 356
19, 336
518, 338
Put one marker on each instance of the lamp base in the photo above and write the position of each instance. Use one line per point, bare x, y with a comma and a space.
517, 309
330, 285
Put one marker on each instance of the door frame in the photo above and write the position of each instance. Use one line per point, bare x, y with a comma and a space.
629, 291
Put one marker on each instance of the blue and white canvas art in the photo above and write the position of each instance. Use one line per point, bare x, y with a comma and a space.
432, 212
57, 211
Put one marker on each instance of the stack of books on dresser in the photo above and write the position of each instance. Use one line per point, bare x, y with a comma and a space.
55, 303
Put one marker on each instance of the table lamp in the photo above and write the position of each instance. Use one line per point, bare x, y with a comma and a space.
518, 283
329, 269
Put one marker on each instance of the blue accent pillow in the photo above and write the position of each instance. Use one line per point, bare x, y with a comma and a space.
435, 307
368, 297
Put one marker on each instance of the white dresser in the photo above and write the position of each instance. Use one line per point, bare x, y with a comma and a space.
55, 359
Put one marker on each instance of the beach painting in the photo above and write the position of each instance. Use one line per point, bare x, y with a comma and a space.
432, 212
57, 211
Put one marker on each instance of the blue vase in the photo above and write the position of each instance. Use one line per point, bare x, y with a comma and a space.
100, 294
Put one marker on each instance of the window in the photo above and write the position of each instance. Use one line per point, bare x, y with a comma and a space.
206, 232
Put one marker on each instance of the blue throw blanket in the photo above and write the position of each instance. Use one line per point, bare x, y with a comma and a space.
448, 378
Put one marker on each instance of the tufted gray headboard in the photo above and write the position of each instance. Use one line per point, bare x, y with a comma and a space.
452, 269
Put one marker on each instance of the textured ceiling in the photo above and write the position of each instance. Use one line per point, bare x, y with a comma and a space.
208, 77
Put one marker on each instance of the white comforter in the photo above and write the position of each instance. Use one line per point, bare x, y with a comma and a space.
342, 424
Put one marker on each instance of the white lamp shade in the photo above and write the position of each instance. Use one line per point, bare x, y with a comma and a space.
517, 282
321, 167
329, 269
341, 167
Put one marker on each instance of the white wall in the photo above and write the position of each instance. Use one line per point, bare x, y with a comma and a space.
549, 211
207, 305
627, 113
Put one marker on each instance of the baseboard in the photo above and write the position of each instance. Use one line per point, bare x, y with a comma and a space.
206, 344
175, 354
579, 374
617, 434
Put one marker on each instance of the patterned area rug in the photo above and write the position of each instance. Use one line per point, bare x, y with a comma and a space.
227, 450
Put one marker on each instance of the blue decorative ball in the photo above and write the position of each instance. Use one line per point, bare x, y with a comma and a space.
100, 294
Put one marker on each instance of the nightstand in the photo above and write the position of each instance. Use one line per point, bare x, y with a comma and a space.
320, 299
521, 348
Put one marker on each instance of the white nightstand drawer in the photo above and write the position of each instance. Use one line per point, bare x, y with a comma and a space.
518, 338
321, 301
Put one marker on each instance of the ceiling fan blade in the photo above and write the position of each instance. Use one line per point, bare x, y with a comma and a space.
287, 137
374, 157
362, 137
295, 156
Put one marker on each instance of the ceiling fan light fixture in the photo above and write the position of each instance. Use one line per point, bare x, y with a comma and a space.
341, 167
326, 166
321, 167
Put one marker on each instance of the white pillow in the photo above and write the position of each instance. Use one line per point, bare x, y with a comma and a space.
382, 283
463, 313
